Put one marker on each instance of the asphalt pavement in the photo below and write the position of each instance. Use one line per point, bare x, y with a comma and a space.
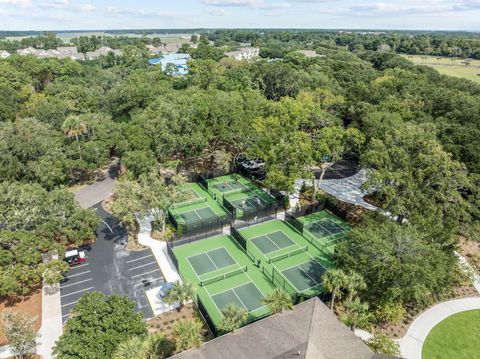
111, 269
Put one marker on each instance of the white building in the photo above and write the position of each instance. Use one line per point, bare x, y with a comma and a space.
244, 53
4, 54
103, 51
310, 53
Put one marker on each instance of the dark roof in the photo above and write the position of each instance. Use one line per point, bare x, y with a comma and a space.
309, 331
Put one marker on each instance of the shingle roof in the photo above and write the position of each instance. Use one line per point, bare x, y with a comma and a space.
310, 331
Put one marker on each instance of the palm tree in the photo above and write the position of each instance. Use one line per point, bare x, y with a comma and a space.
157, 346
356, 314
73, 126
179, 294
233, 317
188, 334
333, 281
278, 300
355, 283
130, 349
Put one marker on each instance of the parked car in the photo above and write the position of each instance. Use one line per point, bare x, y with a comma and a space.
74, 257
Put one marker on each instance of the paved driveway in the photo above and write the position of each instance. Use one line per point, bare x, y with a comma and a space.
110, 269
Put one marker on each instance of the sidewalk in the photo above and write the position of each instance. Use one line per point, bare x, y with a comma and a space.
51, 328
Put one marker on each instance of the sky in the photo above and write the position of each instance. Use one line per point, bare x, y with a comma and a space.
163, 14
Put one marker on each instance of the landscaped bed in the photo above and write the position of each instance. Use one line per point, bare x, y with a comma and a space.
457, 337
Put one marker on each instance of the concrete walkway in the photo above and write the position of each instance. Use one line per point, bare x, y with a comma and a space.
51, 328
411, 344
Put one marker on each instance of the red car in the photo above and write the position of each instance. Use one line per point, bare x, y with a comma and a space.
74, 257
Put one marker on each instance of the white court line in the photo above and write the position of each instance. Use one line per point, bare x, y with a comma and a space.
137, 259
139, 275
143, 265
78, 291
69, 285
236, 295
74, 275
211, 260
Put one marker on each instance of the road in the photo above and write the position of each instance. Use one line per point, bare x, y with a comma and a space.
110, 269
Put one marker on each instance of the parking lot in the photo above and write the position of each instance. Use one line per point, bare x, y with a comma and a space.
111, 269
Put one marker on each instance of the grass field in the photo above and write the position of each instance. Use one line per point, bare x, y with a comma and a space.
446, 66
457, 337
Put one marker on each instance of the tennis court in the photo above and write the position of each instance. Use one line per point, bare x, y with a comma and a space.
304, 276
201, 213
229, 186
272, 242
324, 227
224, 275
247, 296
211, 260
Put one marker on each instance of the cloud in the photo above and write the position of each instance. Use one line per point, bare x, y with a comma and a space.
87, 8
218, 12
19, 3
115, 12
252, 4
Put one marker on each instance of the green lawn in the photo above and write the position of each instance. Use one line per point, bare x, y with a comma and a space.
456, 337
447, 67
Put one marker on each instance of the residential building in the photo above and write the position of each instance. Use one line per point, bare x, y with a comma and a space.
103, 51
244, 53
177, 61
4, 54
309, 331
310, 53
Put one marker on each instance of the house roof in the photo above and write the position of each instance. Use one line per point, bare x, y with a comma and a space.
309, 331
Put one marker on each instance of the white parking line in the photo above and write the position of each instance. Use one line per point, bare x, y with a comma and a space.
69, 285
74, 275
137, 259
144, 265
78, 291
139, 275
66, 305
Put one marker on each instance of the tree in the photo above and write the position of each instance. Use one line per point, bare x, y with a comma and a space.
333, 281
329, 145
179, 294
157, 346
233, 317
389, 312
382, 344
398, 262
188, 334
356, 314
73, 126
132, 348
19, 332
354, 284
278, 300
101, 321
52, 271
418, 181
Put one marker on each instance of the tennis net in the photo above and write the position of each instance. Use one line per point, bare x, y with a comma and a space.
223, 276
190, 202
287, 255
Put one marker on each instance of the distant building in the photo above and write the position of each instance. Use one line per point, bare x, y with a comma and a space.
27, 51
4, 54
103, 51
309, 331
244, 53
310, 53
59, 53
177, 61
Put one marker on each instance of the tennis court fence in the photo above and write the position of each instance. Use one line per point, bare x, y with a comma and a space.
203, 182
204, 313
287, 255
223, 276
189, 203
280, 282
199, 227
241, 241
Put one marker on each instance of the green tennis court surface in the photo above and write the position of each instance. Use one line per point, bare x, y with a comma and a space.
272, 242
211, 261
324, 227
250, 202
229, 186
198, 214
246, 296
304, 276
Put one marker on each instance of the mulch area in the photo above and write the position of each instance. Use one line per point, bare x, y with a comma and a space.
471, 251
164, 323
30, 305
400, 329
